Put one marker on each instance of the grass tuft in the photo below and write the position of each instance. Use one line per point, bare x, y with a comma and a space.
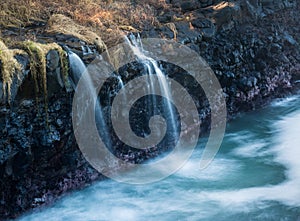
109, 19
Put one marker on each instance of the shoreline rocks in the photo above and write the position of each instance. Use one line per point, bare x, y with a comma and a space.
252, 46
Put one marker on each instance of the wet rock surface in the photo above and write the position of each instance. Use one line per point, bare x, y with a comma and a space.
39, 160
252, 46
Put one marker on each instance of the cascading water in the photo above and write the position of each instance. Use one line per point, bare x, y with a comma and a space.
121, 85
78, 69
154, 106
152, 68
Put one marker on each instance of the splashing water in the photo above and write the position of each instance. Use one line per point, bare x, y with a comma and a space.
255, 176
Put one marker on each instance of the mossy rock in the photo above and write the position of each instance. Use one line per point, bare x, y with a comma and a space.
38, 66
61, 24
8, 68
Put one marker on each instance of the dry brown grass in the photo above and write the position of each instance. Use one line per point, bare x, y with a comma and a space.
108, 18
61, 24
20, 13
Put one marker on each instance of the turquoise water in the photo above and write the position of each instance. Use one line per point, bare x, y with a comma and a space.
255, 176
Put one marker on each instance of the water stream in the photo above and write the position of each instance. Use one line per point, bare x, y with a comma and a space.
76, 65
153, 68
255, 176
78, 72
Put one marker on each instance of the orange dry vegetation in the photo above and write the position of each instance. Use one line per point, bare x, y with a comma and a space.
107, 16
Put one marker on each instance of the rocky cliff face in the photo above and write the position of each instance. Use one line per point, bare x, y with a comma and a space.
252, 46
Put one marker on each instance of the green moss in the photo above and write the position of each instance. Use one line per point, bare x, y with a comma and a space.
64, 63
9, 66
38, 67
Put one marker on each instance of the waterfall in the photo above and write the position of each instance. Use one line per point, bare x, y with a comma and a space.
154, 105
120, 86
77, 67
153, 68
77, 70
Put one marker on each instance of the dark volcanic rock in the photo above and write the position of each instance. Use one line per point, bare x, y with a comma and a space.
186, 34
189, 5
252, 46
